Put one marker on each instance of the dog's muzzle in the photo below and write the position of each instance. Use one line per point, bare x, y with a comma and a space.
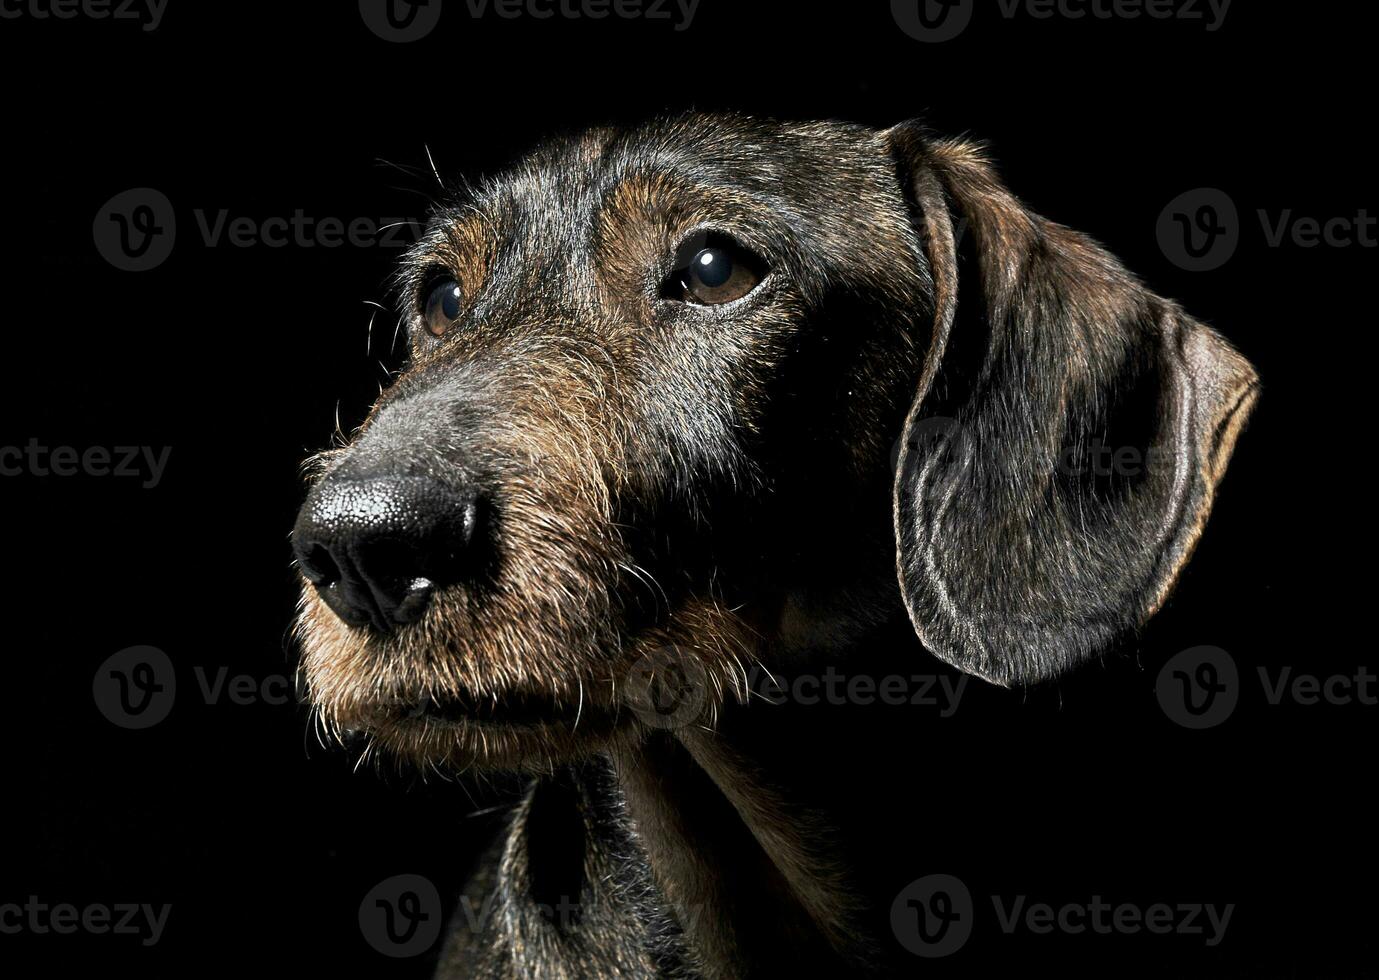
378, 548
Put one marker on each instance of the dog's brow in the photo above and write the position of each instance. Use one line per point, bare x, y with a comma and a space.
692, 196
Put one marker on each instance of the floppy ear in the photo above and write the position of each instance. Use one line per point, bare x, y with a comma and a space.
1064, 445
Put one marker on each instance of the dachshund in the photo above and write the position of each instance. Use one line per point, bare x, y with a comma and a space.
714, 398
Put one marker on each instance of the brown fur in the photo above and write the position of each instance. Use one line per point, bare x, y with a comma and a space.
720, 483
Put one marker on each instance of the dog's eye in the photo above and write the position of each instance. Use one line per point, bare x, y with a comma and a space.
442, 307
711, 272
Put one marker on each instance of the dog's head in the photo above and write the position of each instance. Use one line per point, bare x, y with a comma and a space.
736, 388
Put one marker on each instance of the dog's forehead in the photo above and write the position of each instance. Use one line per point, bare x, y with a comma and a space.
559, 190
582, 215
791, 159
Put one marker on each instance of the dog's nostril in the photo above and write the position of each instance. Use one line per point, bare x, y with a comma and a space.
415, 599
317, 567
377, 550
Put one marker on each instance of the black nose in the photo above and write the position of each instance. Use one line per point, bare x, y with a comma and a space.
377, 549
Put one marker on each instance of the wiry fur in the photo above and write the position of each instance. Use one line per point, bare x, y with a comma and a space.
720, 482
1017, 561
600, 915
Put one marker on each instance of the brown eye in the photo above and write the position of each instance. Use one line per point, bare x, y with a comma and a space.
715, 272
442, 307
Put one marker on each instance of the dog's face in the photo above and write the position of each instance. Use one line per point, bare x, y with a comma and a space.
654, 383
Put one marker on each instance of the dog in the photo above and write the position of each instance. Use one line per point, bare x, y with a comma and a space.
716, 393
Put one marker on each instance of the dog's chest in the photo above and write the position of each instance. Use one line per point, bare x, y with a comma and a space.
567, 893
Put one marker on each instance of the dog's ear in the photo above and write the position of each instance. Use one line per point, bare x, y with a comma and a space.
1066, 438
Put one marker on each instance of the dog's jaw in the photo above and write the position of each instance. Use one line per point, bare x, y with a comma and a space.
425, 699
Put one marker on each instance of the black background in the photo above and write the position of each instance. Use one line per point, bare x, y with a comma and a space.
239, 358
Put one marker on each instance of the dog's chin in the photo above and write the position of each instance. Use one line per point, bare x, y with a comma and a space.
430, 698
457, 731
439, 697
449, 737
453, 733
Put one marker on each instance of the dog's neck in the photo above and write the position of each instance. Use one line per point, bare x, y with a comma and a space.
746, 870
735, 818
737, 827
